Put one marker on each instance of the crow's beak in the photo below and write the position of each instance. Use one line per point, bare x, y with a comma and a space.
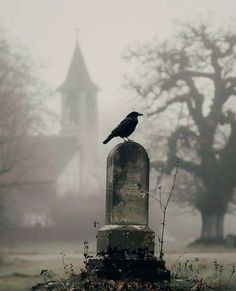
140, 114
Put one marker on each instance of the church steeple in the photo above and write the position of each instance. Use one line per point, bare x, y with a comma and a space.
79, 116
78, 97
78, 77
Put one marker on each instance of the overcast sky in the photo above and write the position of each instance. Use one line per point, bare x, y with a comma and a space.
47, 29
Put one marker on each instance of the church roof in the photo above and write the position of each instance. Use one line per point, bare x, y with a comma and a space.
78, 77
43, 158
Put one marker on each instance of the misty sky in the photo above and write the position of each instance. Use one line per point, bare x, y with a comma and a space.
46, 28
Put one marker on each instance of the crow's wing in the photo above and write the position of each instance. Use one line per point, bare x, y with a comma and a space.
124, 126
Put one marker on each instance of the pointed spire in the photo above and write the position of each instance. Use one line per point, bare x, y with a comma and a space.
78, 77
77, 34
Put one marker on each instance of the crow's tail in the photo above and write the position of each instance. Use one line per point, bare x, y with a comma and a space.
108, 138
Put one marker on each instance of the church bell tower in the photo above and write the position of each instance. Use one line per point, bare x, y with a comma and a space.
78, 98
79, 116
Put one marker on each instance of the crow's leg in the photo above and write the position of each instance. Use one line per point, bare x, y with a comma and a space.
129, 139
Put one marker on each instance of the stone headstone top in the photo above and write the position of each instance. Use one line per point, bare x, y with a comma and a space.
127, 185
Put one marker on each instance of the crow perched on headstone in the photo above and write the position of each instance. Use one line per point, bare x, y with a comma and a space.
125, 128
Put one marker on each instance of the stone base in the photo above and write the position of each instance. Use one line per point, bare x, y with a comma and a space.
149, 269
126, 252
129, 239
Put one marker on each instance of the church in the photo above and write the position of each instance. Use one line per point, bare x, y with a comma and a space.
65, 165
79, 118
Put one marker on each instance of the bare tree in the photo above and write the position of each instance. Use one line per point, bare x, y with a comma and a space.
22, 111
193, 77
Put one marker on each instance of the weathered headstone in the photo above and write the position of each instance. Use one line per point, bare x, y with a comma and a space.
125, 245
127, 185
127, 201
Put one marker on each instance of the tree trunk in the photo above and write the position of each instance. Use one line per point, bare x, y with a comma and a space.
212, 227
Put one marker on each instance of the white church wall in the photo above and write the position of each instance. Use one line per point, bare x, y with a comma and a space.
68, 182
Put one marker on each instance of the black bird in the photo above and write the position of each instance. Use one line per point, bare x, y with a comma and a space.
125, 128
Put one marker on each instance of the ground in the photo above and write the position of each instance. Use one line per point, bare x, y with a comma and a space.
21, 263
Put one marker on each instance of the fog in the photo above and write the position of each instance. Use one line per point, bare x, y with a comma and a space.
46, 30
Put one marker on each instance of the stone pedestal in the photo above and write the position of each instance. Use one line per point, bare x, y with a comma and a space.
125, 245
133, 239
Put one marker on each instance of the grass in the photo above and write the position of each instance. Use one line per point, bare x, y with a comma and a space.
203, 274
23, 274
21, 263
20, 266
17, 283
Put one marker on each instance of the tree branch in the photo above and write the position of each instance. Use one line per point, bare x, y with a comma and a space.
189, 166
199, 74
177, 99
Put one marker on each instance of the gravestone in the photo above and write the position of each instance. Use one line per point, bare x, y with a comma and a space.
127, 185
125, 245
127, 201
